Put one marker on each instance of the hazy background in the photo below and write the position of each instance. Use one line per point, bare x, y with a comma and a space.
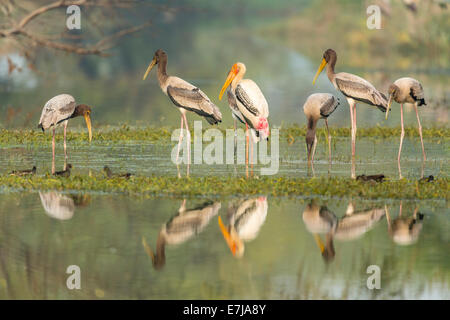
280, 42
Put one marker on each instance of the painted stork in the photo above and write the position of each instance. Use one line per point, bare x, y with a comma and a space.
318, 106
183, 95
407, 90
354, 88
246, 219
248, 104
187, 224
57, 111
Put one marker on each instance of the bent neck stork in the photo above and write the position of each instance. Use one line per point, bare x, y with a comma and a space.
187, 224
247, 104
57, 111
354, 88
246, 219
183, 95
318, 106
407, 90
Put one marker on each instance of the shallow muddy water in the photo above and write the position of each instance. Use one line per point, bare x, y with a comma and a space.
374, 156
165, 248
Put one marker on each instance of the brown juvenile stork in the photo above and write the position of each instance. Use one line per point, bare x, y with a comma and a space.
354, 88
184, 95
407, 90
247, 104
318, 106
57, 111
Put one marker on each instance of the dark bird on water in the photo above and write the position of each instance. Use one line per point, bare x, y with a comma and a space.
23, 172
375, 177
110, 174
64, 173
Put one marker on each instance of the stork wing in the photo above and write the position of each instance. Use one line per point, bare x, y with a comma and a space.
57, 109
195, 100
234, 107
416, 91
359, 89
245, 100
328, 106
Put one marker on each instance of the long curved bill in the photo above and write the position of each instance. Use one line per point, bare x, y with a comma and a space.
150, 66
148, 250
229, 79
389, 106
87, 117
322, 65
227, 236
319, 242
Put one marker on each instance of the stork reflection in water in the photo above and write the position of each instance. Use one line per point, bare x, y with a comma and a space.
187, 224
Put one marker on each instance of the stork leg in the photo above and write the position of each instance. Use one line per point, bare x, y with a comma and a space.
251, 156
353, 121
180, 139
188, 143
420, 133
401, 142
246, 150
53, 152
65, 152
235, 137
329, 140
314, 148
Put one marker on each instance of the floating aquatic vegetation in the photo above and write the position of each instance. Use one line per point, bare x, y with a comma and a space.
226, 186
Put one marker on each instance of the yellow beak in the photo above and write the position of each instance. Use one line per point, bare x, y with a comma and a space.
229, 79
319, 242
87, 117
148, 249
389, 106
150, 66
322, 65
228, 238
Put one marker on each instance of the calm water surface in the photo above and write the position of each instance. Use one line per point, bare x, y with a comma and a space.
268, 248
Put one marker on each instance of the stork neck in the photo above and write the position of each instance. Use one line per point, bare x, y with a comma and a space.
238, 78
162, 72
312, 124
330, 68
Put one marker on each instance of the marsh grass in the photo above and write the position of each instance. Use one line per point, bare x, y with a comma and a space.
227, 186
163, 134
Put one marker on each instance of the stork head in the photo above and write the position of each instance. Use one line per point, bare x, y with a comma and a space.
263, 128
237, 69
85, 111
232, 239
393, 93
159, 55
329, 56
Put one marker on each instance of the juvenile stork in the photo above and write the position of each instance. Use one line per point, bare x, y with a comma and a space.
57, 111
354, 88
247, 104
318, 106
184, 95
407, 90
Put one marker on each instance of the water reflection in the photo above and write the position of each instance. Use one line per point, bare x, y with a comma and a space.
180, 228
61, 206
245, 217
353, 225
405, 230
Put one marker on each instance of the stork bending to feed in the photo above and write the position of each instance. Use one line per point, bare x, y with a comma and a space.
183, 95
318, 106
248, 105
354, 88
58, 111
407, 90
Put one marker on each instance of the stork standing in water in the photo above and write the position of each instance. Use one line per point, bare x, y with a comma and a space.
57, 111
318, 106
185, 96
247, 104
355, 89
407, 90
